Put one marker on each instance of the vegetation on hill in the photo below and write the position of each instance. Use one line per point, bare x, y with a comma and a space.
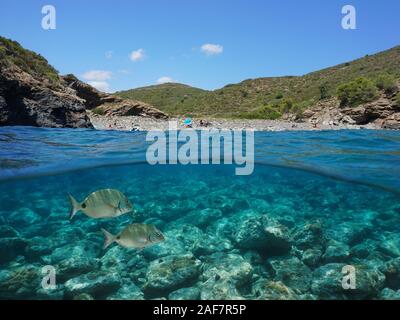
12, 53
271, 97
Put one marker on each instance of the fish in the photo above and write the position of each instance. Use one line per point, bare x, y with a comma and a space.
105, 203
137, 235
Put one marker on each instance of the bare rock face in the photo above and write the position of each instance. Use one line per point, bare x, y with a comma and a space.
383, 112
30, 101
110, 105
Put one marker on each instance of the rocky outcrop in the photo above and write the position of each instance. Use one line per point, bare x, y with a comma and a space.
33, 94
383, 112
32, 101
111, 105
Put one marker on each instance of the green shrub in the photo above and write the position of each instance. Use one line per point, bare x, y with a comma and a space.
286, 105
387, 83
279, 95
99, 111
323, 92
359, 91
269, 112
397, 99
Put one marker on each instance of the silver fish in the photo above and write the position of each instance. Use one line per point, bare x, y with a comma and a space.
106, 203
136, 235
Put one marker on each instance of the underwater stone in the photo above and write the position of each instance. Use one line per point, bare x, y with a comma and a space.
389, 294
336, 252
210, 243
191, 293
8, 232
292, 272
310, 236
311, 257
20, 283
265, 289
265, 234
10, 248
37, 248
51, 294
200, 218
391, 270
97, 284
127, 292
350, 233
390, 244
327, 282
170, 272
75, 266
24, 217
83, 296
363, 249
223, 276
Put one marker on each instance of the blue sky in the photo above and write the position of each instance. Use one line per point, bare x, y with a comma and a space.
203, 43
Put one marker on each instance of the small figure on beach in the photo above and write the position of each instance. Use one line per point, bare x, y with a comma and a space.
187, 123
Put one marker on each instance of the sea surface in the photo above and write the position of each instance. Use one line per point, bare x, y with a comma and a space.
319, 218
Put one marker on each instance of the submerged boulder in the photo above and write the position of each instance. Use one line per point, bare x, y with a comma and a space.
191, 293
171, 272
223, 276
292, 272
10, 248
265, 289
263, 234
97, 284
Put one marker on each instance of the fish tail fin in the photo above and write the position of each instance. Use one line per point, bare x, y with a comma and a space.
109, 238
75, 206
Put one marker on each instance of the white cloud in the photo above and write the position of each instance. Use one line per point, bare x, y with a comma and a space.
137, 55
165, 80
97, 75
109, 55
212, 49
100, 85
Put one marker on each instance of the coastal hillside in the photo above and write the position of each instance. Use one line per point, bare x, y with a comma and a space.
268, 98
32, 93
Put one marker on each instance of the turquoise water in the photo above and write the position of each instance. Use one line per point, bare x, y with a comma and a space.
316, 202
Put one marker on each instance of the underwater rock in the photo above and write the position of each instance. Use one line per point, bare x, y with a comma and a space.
350, 233
292, 272
75, 266
83, 296
336, 252
171, 272
265, 289
310, 236
311, 257
391, 270
390, 244
327, 282
223, 275
200, 218
10, 248
97, 284
363, 249
51, 294
24, 217
191, 293
8, 232
127, 292
20, 283
389, 294
37, 248
265, 234
210, 243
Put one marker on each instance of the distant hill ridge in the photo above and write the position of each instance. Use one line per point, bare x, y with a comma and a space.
245, 99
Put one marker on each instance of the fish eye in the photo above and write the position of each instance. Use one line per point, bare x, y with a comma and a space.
83, 205
118, 237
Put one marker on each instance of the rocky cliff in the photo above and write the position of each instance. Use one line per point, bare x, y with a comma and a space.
33, 94
384, 112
